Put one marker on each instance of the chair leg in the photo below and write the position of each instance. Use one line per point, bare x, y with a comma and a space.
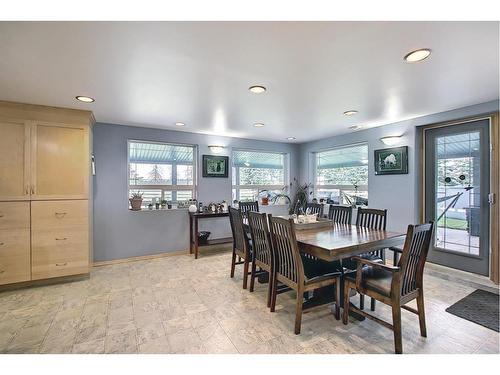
361, 301
396, 322
421, 314
345, 314
298, 311
372, 304
274, 288
337, 299
246, 264
233, 264
252, 277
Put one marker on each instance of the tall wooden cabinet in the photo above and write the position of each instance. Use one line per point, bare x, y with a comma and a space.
45, 195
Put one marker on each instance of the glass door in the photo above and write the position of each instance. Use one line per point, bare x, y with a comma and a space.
457, 181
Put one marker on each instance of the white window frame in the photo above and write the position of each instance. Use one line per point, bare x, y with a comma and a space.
341, 188
163, 188
286, 173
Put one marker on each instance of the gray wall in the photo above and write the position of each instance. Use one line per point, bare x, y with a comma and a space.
120, 233
398, 193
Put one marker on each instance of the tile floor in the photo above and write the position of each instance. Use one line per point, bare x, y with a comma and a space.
179, 305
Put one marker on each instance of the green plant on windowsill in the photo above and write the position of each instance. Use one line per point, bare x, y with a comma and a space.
163, 203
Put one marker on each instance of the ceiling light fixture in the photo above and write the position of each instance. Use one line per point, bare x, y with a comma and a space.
85, 99
390, 140
257, 89
291, 138
258, 125
417, 55
216, 149
351, 112
180, 124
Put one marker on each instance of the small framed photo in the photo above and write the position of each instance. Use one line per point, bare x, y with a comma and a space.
391, 160
215, 166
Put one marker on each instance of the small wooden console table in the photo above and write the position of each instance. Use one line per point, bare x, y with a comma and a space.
193, 231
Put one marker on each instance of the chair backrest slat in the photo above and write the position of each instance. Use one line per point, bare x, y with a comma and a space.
315, 208
340, 214
284, 243
261, 241
371, 218
246, 207
240, 240
412, 262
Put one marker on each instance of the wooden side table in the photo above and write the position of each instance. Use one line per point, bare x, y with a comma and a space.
193, 231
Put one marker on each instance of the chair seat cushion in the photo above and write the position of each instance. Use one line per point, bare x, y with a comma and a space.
376, 279
317, 269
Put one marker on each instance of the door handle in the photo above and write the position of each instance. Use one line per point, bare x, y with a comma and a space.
491, 199
61, 239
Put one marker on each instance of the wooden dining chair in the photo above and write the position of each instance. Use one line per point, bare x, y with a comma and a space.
262, 255
246, 207
315, 208
241, 245
394, 285
373, 219
289, 269
340, 214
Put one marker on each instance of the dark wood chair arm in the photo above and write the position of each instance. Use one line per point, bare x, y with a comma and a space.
359, 268
396, 251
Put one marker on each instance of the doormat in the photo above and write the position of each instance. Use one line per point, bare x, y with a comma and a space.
479, 307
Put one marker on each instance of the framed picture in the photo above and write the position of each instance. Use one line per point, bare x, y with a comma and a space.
391, 160
215, 166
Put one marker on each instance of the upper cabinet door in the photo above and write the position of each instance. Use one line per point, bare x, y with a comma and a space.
14, 160
60, 161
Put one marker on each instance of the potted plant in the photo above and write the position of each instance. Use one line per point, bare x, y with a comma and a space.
302, 192
163, 203
136, 201
150, 206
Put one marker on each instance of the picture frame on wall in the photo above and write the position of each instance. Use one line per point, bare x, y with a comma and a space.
391, 161
215, 166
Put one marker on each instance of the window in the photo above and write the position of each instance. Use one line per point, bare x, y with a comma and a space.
341, 174
255, 171
161, 170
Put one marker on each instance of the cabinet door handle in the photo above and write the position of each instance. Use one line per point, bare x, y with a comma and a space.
32, 189
2, 271
1, 215
27, 190
61, 264
60, 213
61, 239
2, 243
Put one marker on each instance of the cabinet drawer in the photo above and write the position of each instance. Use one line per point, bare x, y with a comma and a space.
14, 215
14, 256
59, 252
59, 214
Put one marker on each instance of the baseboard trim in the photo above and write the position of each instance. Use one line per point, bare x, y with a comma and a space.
44, 282
139, 258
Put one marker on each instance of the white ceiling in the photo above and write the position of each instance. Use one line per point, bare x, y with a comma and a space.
156, 73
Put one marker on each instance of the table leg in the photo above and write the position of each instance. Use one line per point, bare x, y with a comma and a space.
195, 237
190, 234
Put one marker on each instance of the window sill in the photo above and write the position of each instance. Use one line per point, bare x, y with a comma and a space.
160, 209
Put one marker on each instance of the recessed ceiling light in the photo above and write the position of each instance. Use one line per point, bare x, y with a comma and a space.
180, 124
417, 55
85, 99
257, 89
351, 112
258, 125
291, 138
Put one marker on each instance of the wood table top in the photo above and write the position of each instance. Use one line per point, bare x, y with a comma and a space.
342, 241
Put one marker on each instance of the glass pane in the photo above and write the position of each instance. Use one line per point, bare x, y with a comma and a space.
150, 174
458, 193
261, 176
184, 175
184, 195
343, 176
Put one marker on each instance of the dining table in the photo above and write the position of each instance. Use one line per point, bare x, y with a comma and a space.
339, 242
